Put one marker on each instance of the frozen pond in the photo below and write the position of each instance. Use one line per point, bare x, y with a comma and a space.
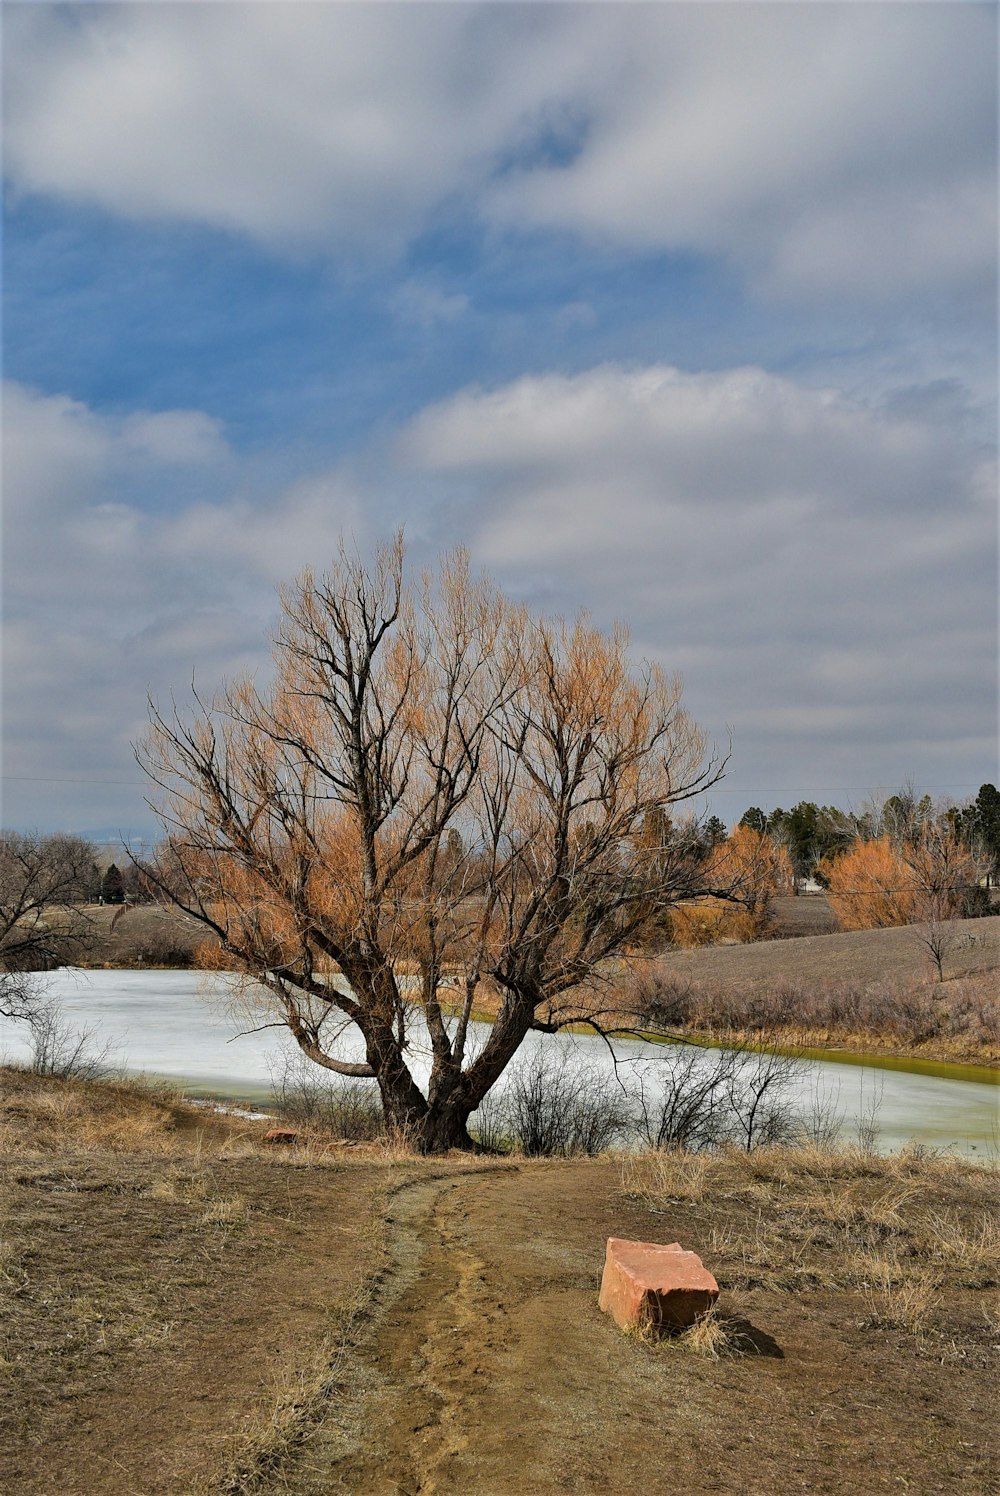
180, 1025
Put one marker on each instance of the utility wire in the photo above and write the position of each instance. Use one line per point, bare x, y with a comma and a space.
813, 789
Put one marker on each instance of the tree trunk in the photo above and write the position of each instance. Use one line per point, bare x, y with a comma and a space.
403, 1105
446, 1126
430, 1127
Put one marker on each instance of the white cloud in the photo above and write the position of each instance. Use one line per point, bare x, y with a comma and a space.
823, 571
108, 595
48, 444
838, 147
804, 558
846, 147
427, 305
174, 436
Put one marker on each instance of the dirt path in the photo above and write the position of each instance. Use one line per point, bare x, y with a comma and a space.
486, 1369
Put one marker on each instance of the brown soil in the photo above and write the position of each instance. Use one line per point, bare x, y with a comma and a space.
491, 1370
151, 1300
807, 914
230, 1318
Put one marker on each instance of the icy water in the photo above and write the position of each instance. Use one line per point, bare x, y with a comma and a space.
180, 1025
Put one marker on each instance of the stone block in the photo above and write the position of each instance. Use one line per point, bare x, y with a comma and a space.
652, 1284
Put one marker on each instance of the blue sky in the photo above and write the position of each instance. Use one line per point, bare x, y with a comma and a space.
685, 314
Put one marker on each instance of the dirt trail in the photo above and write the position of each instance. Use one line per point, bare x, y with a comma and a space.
486, 1370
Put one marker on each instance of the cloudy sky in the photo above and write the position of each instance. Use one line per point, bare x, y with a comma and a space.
683, 313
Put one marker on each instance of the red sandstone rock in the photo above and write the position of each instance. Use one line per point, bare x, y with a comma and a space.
646, 1283
280, 1135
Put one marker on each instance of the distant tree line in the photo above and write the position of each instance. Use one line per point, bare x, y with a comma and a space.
895, 861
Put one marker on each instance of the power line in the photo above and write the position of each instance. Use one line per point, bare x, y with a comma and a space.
795, 789
837, 789
57, 779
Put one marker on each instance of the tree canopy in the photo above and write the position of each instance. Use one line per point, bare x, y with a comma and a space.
439, 797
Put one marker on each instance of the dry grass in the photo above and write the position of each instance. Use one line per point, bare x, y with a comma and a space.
40, 1113
894, 1304
666, 1177
287, 1412
133, 1230
217, 1284
808, 1217
868, 989
711, 1335
144, 936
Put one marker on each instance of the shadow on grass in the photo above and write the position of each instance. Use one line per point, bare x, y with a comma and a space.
747, 1340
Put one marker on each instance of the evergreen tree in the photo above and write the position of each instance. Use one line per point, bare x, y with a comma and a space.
113, 886
980, 822
715, 831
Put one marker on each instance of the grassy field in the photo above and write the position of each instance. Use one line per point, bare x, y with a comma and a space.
143, 936
185, 1309
895, 954
866, 990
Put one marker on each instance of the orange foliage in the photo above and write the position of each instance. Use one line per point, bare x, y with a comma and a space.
870, 886
710, 922
752, 870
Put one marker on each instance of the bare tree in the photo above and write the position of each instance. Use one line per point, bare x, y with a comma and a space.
944, 869
44, 881
439, 796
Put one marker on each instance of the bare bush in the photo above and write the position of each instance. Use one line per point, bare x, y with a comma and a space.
44, 883
149, 937
490, 1126
689, 1107
939, 937
344, 1109
821, 1124
60, 1049
659, 997
869, 1128
760, 1112
553, 1107
911, 1012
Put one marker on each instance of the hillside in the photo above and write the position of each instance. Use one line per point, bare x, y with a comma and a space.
897, 954
872, 991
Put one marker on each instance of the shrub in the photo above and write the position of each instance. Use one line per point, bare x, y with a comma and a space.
59, 1049
344, 1109
869, 886
552, 1107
